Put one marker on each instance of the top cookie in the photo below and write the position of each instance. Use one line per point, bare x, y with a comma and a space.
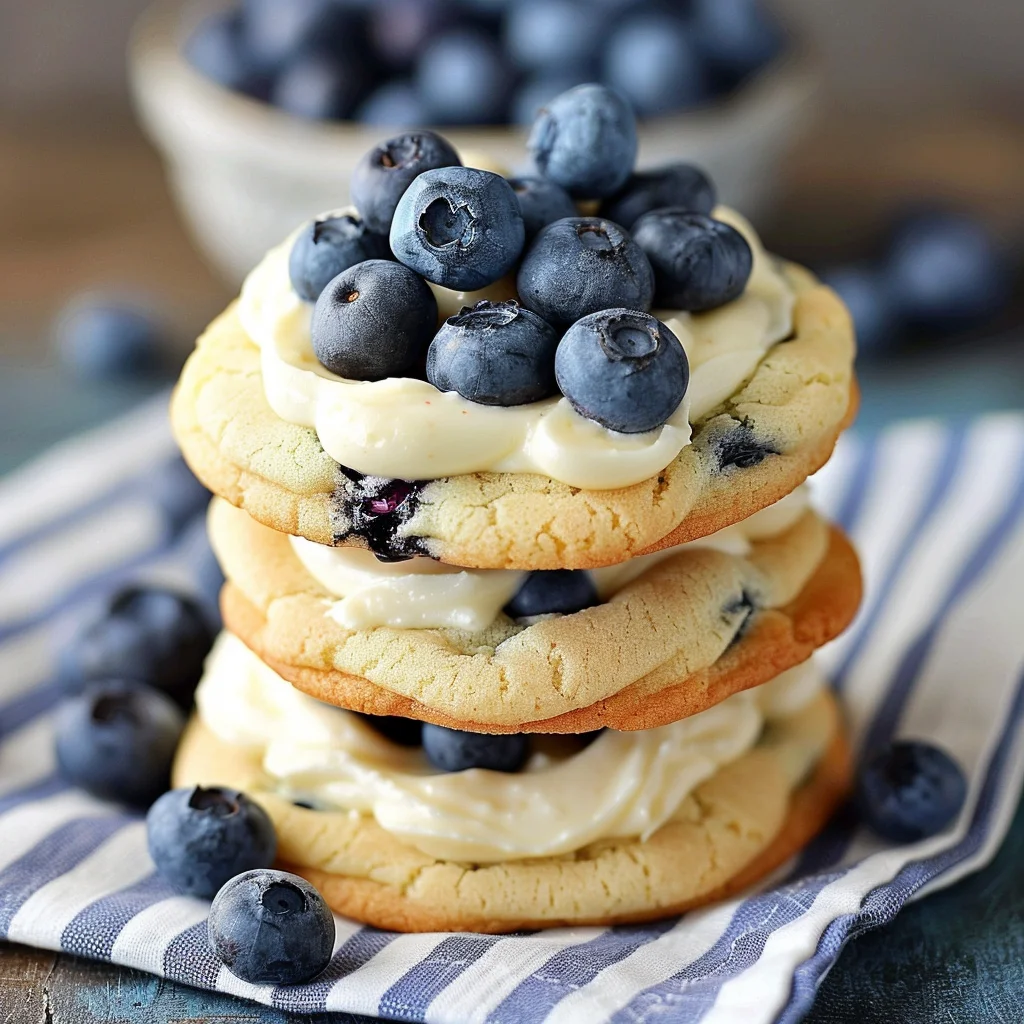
561, 423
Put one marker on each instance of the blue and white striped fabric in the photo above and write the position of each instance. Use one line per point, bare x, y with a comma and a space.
937, 513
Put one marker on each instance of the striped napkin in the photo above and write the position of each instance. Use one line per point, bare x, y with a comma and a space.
937, 512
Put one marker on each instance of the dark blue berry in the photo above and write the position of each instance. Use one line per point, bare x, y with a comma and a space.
218, 49
944, 271
374, 320
102, 339
199, 838
541, 202
553, 591
699, 263
149, 634
494, 353
173, 487
458, 227
463, 78
271, 928
399, 29
866, 292
452, 750
734, 38
681, 185
535, 91
395, 104
116, 740
910, 790
319, 86
552, 34
623, 369
650, 58
276, 30
580, 265
403, 731
381, 177
585, 140
328, 246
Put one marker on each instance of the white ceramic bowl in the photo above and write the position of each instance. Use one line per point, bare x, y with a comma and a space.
246, 174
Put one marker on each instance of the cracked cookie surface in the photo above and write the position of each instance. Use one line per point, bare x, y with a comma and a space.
734, 828
693, 629
759, 445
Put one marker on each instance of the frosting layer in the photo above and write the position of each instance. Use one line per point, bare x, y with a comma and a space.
406, 428
422, 593
621, 785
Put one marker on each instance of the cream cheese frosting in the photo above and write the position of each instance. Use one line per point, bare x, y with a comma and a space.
406, 428
422, 593
621, 785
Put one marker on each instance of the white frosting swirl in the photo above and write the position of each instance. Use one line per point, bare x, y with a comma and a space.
407, 429
624, 784
421, 593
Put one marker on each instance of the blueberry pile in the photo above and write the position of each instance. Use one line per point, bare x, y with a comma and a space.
400, 63
580, 325
940, 272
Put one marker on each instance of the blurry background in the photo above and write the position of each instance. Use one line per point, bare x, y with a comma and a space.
914, 102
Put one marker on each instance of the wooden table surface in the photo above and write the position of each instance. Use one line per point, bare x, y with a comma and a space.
75, 215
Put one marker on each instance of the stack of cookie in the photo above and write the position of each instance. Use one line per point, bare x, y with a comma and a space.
523, 581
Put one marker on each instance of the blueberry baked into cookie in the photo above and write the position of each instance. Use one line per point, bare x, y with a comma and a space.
421, 375
522, 584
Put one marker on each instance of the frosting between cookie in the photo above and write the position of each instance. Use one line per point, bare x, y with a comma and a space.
422, 593
406, 428
621, 785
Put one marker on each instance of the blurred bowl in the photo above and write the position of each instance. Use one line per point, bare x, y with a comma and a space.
245, 174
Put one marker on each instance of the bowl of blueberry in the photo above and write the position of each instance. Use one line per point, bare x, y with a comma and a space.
263, 107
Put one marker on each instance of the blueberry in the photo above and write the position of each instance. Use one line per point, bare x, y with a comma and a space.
585, 140
541, 202
944, 271
100, 338
553, 591
382, 175
552, 34
271, 928
199, 838
535, 91
580, 265
458, 227
327, 247
652, 61
734, 38
276, 30
675, 185
393, 105
699, 263
452, 750
406, 732
910, 790
116, 740
374, 320
623, 369
148, 634
463, 78
494, 353
176, 491
218, 50
865, 291
399, 29
319, 86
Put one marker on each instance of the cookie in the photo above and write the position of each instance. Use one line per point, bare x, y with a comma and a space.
694, 628
752, 448
744, 821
